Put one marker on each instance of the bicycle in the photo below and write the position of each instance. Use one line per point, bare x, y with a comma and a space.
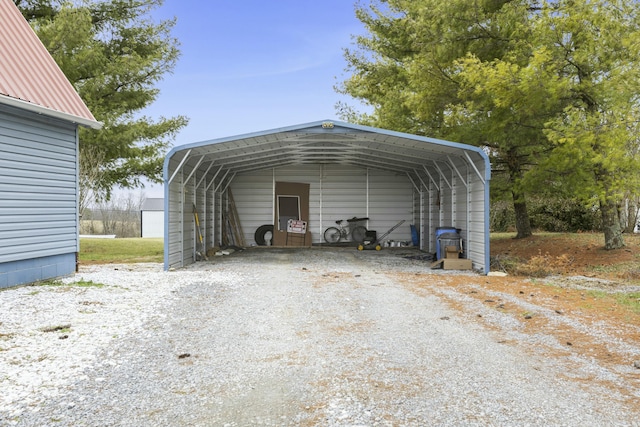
336, 234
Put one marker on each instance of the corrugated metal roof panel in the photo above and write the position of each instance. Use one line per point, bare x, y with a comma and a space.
153, 204
29, 74
329, 142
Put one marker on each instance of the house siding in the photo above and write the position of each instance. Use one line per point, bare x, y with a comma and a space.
38, 197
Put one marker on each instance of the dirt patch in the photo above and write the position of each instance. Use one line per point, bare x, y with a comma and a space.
572, 311
571, 325
568, 254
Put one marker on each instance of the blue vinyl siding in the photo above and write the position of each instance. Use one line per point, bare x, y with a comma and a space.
38, 197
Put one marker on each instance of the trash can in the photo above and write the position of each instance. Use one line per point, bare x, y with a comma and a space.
446, 236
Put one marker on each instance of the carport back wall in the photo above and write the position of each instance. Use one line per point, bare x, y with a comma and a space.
336, 192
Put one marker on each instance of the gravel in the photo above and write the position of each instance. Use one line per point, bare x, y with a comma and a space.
275, 337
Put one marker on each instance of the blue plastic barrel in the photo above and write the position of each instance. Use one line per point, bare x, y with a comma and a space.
450, 234
415, 239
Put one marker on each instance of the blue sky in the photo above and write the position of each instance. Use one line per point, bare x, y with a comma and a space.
253, 65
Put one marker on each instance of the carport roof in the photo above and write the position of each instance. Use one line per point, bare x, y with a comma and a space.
326, 142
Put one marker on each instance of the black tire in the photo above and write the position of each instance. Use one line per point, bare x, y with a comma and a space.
359, 233
260, 235
332, 235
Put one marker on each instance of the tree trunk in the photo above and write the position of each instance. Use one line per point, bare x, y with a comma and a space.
632, 216
611, 225
523, 224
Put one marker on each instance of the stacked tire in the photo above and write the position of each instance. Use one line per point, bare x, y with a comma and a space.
264, 235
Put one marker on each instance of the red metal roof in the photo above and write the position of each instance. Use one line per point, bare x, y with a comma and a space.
29, 74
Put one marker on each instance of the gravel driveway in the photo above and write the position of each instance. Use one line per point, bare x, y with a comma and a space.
279, 337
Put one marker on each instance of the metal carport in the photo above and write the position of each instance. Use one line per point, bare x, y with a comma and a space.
352, 170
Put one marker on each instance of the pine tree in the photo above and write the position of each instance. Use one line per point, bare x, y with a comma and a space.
114, 54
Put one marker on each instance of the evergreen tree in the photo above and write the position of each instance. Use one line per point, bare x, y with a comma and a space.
596, 45
416, 66
548, 88
114, 54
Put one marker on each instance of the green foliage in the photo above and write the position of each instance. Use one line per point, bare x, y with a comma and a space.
563, 215
114, 54
549, 215
595, 138
37, 9
458, 70
549, 89
501, 216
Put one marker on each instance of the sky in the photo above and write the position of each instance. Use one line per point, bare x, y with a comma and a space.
254, 65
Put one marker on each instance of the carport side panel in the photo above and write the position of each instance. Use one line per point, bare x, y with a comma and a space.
253, 194
470, 219
476, 237
179, 244
459, 210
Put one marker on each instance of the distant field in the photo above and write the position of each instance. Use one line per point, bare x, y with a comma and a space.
128, 250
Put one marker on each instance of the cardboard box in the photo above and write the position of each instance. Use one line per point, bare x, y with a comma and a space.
457, 264
282, 238
451, 252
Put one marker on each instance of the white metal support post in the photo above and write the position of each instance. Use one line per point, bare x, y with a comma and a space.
219, 218
273, 200
213, 232
454, 201
194, 202
421, 233
367, 195
181, 209
468, 209
320, 203
432, 224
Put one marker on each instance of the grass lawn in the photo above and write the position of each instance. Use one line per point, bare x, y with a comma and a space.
102, 251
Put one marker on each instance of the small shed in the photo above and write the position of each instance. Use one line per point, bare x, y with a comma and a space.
319, 173
152, 217
40, 113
